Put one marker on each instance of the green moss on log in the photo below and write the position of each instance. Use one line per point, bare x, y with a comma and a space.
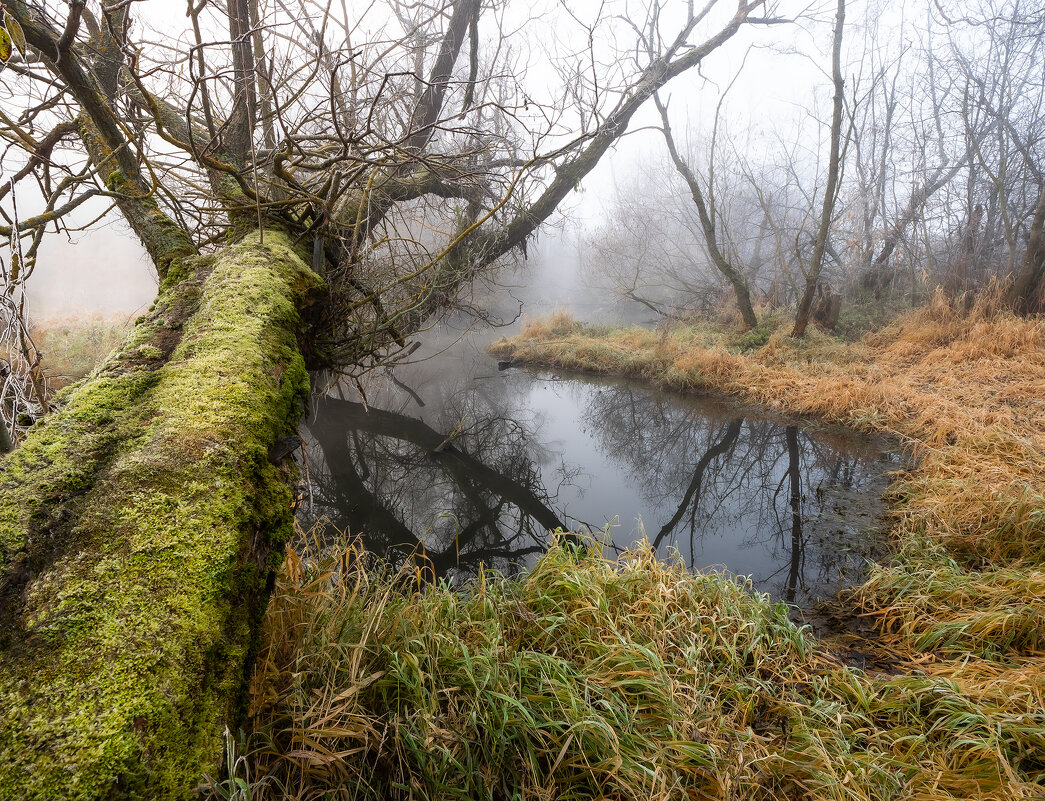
138, 527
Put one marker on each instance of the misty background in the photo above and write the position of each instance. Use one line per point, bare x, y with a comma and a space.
930, 87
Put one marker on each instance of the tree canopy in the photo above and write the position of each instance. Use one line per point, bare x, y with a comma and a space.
405, 146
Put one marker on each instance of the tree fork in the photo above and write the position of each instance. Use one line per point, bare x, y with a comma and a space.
103, 137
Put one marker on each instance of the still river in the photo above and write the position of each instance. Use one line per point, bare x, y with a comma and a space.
462, 465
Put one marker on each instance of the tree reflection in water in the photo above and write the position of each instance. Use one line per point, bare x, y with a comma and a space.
469, 497
470, 472
793, 508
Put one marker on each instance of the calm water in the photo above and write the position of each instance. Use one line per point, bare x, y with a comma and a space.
471, 465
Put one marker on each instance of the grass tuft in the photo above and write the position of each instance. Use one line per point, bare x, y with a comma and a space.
591, 679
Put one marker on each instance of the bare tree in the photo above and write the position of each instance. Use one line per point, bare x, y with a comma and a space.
834, 168
649, 251
904, 149
707, 215
997, 47
405, 175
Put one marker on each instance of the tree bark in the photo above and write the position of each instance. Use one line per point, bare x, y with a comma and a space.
431, 102
830, 191
239, 138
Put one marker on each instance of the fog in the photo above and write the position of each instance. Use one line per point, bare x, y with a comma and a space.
753, 123
103, 271
106, 271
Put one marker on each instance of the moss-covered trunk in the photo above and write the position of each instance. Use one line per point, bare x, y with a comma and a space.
139, 526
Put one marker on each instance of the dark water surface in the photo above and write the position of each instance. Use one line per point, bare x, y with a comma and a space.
471, 465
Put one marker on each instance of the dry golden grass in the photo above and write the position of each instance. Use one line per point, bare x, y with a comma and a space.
73, 345
965, 389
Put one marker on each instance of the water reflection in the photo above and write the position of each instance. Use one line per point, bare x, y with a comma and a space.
462, 497
467, 467
791, 507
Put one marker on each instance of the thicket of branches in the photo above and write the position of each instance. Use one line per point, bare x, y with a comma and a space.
940, 177
408, 146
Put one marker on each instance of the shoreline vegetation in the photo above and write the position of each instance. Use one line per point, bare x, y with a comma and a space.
592, 679
963, 389
638, 679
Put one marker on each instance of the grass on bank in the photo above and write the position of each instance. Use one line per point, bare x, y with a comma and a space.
587, 679
638, 679
74, 345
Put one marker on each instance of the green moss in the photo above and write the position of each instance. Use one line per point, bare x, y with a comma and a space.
138, 525
754, 338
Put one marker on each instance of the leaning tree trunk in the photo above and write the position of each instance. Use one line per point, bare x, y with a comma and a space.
707, 223
879, 275
1027, 293
139, 526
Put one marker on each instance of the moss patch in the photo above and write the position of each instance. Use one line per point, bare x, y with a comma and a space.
138, 527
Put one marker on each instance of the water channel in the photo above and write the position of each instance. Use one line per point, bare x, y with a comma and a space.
468, 465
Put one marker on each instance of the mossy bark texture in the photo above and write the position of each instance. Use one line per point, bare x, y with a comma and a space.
139, 526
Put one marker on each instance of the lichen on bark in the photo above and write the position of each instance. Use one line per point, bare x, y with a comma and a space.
139, 525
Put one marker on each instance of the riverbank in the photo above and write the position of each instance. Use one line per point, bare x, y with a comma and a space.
964, 595
595, 679
74, 345
639, 679
966, 391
